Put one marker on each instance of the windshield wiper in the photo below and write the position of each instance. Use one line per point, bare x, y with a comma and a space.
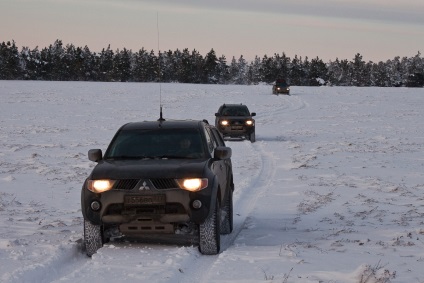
169, 156
132, 157
124, 157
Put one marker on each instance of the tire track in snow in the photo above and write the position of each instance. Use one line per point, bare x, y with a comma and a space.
64, 260
245, 198
283, 105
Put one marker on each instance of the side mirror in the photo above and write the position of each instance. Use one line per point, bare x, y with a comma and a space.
217, 114
253, 114
222, 152
95, 155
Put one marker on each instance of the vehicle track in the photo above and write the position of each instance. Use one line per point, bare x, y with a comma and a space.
65, 259
281, 106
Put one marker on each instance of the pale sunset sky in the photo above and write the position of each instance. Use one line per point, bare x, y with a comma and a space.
377, 29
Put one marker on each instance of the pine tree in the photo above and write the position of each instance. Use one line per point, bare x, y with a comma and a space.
31, 60
122, 65
254, 73
196, 61
71, 66
59, 71
394, 70
185, 70
318, 72
381, 77
242, 71
282, 66
167, 66
358, 71
415, 71
141, 66
106, 65
269, 71
222, 70
296, 72
10, 67
210, 71
306, 68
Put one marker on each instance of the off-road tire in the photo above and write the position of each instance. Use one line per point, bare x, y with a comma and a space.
209, 233
93, 237
227, 214
252, 137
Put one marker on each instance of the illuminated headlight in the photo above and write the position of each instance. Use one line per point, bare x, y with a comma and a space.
193, 185
249, 122
224, 122
100, 186
278, 88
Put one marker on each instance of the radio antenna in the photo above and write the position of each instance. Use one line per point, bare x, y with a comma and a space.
161, 119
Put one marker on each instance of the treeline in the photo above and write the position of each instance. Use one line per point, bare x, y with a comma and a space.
69, 63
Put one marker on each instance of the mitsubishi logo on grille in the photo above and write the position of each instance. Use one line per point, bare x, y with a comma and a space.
144, 186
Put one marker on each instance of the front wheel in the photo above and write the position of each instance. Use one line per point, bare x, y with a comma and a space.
209, 233
252, 137
93, 238
227, 214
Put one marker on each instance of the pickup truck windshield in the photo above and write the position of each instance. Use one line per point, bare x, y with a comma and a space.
156, 143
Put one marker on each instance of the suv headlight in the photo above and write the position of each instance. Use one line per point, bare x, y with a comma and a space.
193, 184
100, 186
249, 122
224, 122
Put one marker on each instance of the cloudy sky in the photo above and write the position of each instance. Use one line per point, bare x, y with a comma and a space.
330, 29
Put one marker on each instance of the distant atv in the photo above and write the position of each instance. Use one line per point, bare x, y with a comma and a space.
280, 86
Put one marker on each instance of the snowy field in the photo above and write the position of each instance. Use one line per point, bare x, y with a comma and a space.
332, 191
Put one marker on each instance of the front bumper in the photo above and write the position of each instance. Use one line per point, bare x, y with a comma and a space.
282, 90
236, 131
154, 211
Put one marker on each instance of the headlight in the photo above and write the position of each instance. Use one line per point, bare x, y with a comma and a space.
224, 122
278, 88
100, 186
249, 122
193, 185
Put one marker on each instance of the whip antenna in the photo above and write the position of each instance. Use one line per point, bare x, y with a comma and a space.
159, 72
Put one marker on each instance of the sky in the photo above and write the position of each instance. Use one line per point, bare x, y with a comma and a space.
377, 29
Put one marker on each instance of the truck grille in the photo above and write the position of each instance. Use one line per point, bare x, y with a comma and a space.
126, 185
163, 184
159, 184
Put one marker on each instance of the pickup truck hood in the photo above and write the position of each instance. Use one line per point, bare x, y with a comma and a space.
148, 168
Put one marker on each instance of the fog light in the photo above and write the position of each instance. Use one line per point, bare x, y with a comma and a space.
95, 205
197, 204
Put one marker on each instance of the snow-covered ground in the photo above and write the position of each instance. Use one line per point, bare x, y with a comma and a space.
332, 191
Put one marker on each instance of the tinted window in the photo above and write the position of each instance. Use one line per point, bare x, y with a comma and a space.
235, 111
156, 143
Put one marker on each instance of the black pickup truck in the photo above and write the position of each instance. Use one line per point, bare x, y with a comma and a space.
157, 179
